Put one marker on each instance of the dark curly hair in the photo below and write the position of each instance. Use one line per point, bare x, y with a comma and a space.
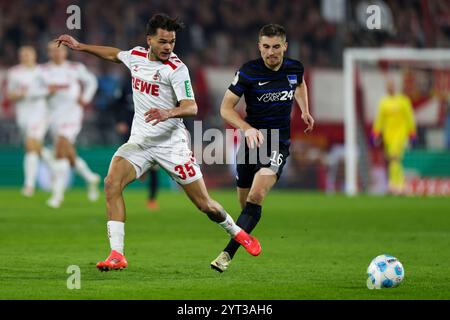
163, 21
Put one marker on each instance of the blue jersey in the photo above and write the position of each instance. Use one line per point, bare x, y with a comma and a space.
269, 94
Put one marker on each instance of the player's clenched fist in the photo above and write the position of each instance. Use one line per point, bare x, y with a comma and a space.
68, 41
254, 138
155, 115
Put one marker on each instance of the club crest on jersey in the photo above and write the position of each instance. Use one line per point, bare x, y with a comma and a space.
157, 76
292, 78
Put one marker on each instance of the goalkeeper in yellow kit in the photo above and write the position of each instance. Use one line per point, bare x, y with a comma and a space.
396, 125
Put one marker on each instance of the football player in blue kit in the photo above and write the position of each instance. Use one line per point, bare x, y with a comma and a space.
270, 84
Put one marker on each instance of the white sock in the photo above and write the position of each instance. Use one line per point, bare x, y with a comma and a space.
60, 174
30, 164
116, 234
230, 227
83, 170
48, 157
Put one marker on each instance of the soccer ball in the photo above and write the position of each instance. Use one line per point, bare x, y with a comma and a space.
384, 271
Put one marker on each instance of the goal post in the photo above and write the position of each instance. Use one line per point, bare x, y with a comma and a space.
353, 56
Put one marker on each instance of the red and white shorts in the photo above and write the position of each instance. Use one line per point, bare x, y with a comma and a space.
34, 129
33, 122
176, 160
66, 122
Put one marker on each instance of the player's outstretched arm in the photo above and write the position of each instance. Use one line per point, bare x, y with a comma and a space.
301, 96
229, 114
107, 53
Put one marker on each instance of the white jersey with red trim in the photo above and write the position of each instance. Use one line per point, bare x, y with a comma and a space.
68, 78
30, 82
157, 84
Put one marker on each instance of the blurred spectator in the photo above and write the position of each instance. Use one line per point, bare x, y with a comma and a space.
123, 110
447, 124
334, 10
335, 162
107, 94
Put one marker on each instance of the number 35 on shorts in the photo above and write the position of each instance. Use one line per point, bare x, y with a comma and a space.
186, 170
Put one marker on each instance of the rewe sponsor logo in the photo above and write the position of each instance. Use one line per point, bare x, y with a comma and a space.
144, 86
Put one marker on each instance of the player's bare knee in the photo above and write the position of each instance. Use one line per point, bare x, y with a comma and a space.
32, 145
60, 152
112, 186
256, 196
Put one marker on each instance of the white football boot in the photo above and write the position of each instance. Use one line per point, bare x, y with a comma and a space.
222, 262
27, 192
55, 202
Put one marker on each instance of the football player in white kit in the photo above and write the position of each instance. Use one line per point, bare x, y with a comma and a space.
27, 90
162, 96
66, 117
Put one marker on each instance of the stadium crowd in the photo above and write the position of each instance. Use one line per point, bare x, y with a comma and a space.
223, 32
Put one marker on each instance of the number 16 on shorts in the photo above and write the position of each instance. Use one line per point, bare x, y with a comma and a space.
276, 159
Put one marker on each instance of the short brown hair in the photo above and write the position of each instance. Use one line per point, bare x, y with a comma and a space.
273, 30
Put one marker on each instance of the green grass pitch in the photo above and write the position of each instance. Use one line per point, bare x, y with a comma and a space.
314, 247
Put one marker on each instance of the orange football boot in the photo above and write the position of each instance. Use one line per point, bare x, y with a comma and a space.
152, 205
115, 261
251, 244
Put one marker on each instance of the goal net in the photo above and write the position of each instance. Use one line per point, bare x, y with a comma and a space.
423, 75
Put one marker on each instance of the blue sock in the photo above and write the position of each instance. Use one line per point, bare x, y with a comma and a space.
248, 220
